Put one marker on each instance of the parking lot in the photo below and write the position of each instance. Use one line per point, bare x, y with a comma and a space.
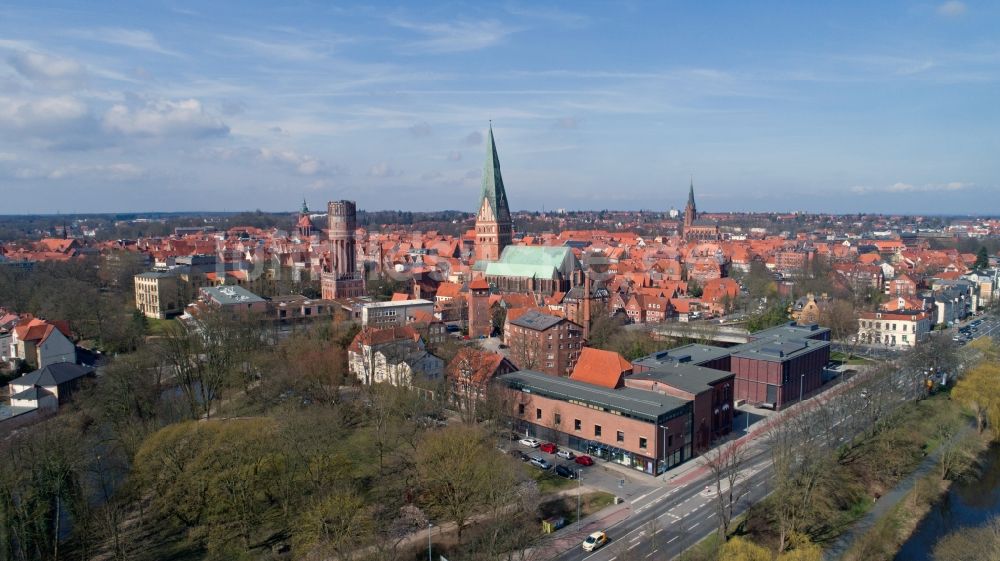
603, 475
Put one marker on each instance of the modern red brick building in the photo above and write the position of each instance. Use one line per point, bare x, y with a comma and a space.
710, 391
776, 373
771, 370
646, 431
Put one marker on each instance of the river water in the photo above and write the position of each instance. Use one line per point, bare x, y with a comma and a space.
968, 503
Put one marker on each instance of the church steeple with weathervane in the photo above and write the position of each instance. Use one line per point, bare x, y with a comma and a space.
494, 228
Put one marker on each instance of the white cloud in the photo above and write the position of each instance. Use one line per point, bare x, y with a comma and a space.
296, 162
421, 129
47, 70
283, 50
952, 8
133, 38
113, 172
184, 118
903, 188
383, 170
104, 172
566, 123
301, 164
453, 37
44, 115
550, 15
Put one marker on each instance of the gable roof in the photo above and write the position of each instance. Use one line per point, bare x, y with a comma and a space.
480, 364
601, 368
53, 375
34, 393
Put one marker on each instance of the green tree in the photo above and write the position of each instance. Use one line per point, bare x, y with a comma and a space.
740, 549
694, 288
460, 474
982, 259
978, 389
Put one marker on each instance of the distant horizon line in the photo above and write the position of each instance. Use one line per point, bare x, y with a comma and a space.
472, 213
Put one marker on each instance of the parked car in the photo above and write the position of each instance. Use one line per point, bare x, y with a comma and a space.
584, 460
530, 442
594, 541
565, 471
520, 455
565, 454
540, 463
548, 448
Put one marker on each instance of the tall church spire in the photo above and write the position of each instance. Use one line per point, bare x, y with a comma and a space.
494, 229
493, 191
691, 194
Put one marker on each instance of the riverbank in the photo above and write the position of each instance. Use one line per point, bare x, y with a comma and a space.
891, 528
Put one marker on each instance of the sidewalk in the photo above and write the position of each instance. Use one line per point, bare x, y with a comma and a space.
573, 535
888, 501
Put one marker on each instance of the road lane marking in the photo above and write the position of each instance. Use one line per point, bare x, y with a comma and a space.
633, 546
671, 540
695, 525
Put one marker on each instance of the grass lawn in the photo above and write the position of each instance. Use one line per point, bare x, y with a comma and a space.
838, 356
590, 503
548, 481
158, 326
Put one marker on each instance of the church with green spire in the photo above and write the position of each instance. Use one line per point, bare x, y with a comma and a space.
494, 228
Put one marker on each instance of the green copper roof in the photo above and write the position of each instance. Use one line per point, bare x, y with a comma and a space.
305, 209
550, 256
493, 190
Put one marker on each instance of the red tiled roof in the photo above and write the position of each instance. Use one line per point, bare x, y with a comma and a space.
601, 368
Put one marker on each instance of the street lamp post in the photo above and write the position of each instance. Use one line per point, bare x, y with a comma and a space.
802, 383
579, 492
429, 540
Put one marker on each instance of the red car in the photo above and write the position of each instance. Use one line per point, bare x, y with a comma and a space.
584, 460
548, 447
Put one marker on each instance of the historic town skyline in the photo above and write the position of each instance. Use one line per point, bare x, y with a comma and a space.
884, 108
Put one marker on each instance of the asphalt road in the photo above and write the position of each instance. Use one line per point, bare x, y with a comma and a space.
667, 520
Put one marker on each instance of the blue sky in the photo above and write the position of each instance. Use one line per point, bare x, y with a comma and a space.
819, 106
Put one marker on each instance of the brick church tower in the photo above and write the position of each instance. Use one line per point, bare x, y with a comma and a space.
494, 229
480, 320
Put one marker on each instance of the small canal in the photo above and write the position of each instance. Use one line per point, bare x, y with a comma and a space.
971, 502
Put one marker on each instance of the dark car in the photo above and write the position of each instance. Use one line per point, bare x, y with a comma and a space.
564, 471
520, 455
584, 460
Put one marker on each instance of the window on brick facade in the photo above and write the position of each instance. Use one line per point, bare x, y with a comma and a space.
597, 430
577, 424
557, 418
620, 436
670, 440
642, 443
520, 409
538, 413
